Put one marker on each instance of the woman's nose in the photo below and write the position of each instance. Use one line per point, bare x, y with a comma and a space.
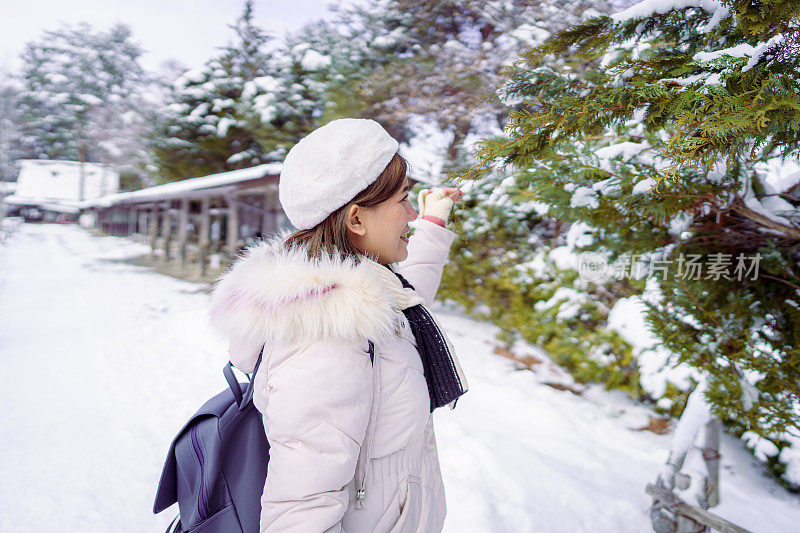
412, 214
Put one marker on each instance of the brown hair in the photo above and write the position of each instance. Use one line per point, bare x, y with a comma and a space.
331, 235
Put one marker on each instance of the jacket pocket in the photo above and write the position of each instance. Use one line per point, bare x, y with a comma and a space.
410, 517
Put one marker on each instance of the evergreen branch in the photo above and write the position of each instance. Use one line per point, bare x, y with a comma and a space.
697, 303
473, 169
768, 276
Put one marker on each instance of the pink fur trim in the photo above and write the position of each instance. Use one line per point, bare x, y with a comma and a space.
236, 300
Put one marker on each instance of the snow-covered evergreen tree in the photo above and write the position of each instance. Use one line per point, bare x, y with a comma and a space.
207, 125
11, 142
77, 83
700, 99
291, 100
432, 62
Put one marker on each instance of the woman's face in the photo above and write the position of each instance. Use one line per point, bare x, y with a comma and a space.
382, 230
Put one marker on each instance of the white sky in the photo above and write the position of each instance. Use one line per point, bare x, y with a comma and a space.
185, 30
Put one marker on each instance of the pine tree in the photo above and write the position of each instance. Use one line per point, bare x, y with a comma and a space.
438, 60
292, 100
675, 137
75, 80
207, 126
11, 140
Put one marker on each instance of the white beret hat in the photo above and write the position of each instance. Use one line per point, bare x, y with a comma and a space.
330, 166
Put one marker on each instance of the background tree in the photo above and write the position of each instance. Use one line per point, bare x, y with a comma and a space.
11, 142
291, 101
76, 85
436, 61
699, 99
207, 126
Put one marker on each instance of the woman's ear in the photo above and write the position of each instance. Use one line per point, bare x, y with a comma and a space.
352, 221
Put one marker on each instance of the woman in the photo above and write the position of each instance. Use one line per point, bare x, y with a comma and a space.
352, 446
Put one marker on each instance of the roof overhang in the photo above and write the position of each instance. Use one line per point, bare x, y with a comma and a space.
213, 185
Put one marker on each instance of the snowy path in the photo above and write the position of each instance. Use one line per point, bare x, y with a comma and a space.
104, 361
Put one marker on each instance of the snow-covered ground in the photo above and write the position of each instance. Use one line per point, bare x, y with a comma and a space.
103, 362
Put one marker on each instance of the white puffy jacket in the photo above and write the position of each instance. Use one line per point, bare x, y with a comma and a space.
315, 386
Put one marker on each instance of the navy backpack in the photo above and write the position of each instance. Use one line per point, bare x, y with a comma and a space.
217, 465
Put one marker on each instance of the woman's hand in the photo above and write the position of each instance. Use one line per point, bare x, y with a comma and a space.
435, 204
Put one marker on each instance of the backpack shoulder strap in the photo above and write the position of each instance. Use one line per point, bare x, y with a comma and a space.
242, 397
248, 394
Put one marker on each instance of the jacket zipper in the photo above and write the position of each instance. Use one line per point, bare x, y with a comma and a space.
203, 503
363, 459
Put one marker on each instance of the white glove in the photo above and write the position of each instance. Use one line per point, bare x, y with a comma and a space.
436, 203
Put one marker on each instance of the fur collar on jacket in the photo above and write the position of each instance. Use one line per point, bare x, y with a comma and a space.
280, 297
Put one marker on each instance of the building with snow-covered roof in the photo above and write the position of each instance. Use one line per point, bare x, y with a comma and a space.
58, 187
197, 225
201, 221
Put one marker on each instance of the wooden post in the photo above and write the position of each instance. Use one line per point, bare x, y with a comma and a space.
153, 229
183, 222
141, 225
711, 458
267, 216
233, 226
166, 229
132, 219
275, 209
205, 228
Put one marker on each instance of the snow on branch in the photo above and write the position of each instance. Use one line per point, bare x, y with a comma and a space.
649, 8
741, 50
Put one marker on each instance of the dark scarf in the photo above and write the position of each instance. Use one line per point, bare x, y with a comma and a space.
446, 383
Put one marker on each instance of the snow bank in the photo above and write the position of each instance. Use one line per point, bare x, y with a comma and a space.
627, 317
517, 454
790, 457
